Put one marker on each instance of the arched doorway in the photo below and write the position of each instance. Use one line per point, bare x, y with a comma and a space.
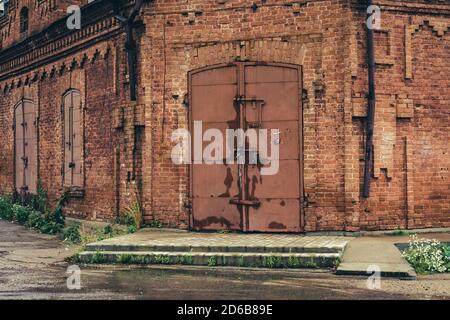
237, 196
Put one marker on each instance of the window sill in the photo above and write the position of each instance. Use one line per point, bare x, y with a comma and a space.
75, 192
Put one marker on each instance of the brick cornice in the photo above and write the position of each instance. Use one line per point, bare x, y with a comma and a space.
415, 7
57, 41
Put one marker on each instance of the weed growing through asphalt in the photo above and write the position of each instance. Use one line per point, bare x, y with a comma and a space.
72, 234
401, 233
155, 223
34, 212
89, 235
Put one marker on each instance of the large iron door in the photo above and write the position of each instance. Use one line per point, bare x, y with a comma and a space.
237, 196
25, 147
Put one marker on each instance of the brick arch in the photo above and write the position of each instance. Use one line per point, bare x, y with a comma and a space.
303, 50
293, 50
249, 50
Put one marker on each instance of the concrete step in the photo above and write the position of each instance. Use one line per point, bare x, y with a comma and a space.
384, 269
236, 259
101, 246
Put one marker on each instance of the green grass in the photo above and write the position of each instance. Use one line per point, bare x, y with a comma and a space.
72, 234
272, 262
47, 221
401, 233
125, 258
212, 261
98, 258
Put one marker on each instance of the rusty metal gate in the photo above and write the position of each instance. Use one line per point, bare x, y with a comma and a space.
245, 95
25, 133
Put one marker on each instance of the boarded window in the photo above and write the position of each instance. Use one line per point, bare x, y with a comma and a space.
72, 140
25, 135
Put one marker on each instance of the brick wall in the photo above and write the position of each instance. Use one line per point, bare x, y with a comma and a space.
410, 188
127, 145
187, 37
94, 80
41, 14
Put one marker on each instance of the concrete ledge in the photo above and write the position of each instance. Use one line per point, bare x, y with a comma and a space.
99, 246
212, 259
386, 270
377, 233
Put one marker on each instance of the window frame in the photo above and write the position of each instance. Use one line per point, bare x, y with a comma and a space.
26, 185
24, 21
64, 170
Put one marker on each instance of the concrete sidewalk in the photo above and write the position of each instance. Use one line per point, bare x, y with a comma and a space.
364, 255
359, 256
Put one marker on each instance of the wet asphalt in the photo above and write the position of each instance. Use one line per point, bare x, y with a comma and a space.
34, 266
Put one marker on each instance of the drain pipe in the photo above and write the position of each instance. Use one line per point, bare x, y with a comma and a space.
368, 163
130, 46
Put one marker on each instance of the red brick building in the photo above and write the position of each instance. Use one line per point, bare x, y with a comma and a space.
69, 116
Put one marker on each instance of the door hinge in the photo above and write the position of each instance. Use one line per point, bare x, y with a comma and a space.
187, 205
306, 202
186, 100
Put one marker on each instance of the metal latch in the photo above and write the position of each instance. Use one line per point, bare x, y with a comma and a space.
250, 203
25, 161
256, 104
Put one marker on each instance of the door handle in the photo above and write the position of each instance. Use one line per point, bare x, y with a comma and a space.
25, 161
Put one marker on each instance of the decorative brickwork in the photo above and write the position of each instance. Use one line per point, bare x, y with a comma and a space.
127, 145
438, 26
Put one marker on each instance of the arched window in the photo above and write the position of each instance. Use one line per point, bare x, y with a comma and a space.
25, 136
73, 176
24, 20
